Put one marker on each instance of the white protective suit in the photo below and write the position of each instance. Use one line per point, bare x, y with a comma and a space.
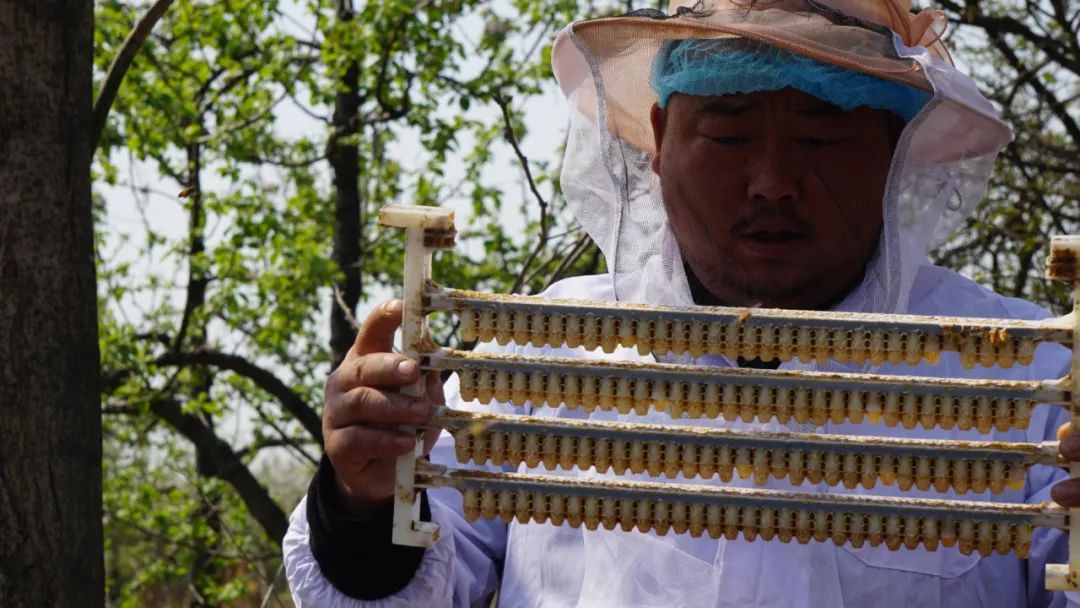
940, 170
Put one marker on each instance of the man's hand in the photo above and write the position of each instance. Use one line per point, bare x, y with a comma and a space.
1067, 493
363, 411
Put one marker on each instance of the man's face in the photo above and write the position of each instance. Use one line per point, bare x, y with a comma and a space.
774, 197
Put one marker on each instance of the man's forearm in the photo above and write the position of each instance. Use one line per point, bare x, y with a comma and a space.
356, 554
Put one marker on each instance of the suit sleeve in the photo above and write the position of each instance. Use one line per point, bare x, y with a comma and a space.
334, 561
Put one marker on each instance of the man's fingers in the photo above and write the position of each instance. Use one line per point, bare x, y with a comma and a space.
387, 370
1064, 430
358, 444
376, 335
434, 388
430, 437
363, 405
1070, 447
1067, 493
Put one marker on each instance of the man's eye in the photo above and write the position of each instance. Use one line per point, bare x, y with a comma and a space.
818, 142
728, 140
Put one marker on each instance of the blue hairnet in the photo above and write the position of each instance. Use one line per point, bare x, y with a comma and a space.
725, 67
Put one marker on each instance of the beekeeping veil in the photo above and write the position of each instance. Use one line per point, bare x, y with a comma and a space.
607, 68
611, 69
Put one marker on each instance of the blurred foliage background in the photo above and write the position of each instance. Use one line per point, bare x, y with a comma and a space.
237, 177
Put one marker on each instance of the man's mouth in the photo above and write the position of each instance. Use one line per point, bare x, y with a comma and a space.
772, 244
773, 235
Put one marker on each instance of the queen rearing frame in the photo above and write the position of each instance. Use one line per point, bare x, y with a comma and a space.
694, 391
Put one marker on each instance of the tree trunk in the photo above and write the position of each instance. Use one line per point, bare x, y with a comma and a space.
50, 415
344, 161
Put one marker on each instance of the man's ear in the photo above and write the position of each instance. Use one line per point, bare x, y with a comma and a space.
656, 117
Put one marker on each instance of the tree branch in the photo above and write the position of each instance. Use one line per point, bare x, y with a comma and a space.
1006, 25
390, 113
224, 129
230, 84
578, 250
345, 10
284, 163
227, 465
281, 442
340, 298
1044, 93
285, 436
120, 65
195, 294
264, 379
508, 131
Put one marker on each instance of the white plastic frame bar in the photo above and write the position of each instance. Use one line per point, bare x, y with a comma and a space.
1043, 516
520, 374
958, 329
1064, 264
748, 449
426, 229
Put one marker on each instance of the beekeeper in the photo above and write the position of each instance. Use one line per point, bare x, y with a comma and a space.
779, 153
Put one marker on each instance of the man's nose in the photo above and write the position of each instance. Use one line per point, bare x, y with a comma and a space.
773, 173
